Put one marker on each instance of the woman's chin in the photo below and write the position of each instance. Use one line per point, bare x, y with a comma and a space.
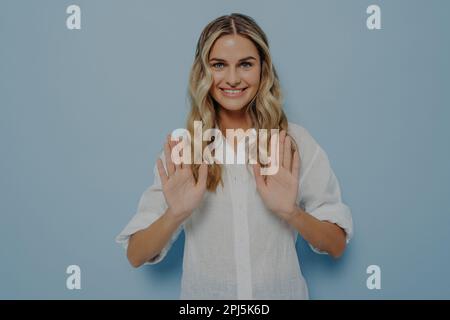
232, 106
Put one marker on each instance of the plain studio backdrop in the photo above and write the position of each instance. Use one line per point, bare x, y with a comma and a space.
83, 115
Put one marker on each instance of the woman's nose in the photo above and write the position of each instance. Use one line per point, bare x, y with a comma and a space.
233, 78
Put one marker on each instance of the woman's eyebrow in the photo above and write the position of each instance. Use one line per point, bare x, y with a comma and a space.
223, 60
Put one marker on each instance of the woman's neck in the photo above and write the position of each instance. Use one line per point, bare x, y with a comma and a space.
239, 119
234, 120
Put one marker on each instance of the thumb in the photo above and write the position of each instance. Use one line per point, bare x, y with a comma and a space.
258, 178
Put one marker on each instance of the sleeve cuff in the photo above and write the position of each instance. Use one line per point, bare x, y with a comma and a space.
338, 214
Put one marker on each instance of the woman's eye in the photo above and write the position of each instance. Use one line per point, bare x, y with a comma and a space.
246, 64
218, 65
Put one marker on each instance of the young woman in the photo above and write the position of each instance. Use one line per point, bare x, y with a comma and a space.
240, 226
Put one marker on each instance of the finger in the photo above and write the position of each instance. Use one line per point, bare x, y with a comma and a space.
260, 183
187, 144
181, 153
202, 175
281, 147
161, 171
274, 148
172, 145
287, 158
296, 164
168, 155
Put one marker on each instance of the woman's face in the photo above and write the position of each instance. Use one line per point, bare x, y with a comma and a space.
236, 69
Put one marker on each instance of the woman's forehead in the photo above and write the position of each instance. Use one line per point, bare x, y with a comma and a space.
233, 47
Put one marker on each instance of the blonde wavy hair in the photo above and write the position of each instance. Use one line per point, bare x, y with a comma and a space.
265, 108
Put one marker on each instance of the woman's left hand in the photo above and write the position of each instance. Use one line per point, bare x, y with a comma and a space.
279, 191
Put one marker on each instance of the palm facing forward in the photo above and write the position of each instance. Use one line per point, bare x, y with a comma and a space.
279, 191
180, 190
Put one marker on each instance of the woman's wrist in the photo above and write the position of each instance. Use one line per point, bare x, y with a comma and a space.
294, 215
175, 219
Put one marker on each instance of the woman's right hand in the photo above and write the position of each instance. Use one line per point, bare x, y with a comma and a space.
180, 190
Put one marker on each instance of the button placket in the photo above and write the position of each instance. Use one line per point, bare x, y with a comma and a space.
241, 234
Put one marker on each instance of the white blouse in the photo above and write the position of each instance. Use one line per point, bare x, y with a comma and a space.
236, 248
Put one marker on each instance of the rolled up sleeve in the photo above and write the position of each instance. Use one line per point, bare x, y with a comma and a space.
151, 206
320, 193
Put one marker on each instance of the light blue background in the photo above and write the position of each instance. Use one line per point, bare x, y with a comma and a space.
84, 113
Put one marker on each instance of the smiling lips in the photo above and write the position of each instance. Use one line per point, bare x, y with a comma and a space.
232, 93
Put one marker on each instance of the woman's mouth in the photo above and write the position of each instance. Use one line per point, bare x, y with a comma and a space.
232, 93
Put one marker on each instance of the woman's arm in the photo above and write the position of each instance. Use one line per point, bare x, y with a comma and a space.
182, 194
279, 193
146, 244
323, 235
